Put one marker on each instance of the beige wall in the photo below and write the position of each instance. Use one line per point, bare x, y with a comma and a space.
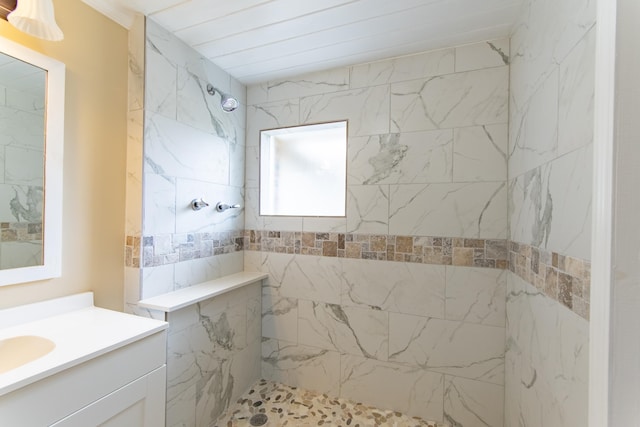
95, 53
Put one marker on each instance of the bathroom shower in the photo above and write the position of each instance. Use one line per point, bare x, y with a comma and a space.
227, 102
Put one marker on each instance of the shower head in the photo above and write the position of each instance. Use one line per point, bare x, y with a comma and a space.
227, 102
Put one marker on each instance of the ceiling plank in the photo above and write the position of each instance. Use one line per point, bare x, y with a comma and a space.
353, 39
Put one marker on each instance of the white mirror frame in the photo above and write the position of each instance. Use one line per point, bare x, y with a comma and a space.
54, 147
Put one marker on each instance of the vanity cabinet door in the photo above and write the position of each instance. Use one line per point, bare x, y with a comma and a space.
138, 404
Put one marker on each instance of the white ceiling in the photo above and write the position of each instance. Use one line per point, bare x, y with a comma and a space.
261, 40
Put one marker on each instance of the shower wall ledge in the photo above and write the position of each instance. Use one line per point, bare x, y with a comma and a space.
173, 301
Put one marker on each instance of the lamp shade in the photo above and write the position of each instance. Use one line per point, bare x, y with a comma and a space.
36, 18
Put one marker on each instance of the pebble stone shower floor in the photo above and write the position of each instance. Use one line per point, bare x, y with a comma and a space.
271, 404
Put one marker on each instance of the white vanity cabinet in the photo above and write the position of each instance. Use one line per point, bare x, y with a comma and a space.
108, 369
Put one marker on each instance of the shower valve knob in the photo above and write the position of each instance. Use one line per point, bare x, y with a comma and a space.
221, 207
197, 204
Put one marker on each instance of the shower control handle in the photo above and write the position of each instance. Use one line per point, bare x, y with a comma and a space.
197, 204
221, 207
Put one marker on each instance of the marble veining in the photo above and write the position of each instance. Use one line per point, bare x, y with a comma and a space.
550, 168
452, 100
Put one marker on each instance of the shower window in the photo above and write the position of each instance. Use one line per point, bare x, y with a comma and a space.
303, 170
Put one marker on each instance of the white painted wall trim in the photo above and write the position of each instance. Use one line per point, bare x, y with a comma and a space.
113, 10
602, 224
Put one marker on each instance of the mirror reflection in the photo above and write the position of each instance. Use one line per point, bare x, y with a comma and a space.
22, 145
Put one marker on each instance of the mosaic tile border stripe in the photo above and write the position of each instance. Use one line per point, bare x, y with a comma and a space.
489, 253
20, 231
562, 278
163, 249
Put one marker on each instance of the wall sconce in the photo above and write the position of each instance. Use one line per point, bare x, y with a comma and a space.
36, 18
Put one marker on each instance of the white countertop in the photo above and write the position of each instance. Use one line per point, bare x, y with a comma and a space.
181, 298
80, 332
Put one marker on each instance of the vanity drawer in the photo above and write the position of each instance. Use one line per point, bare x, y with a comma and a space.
49, 400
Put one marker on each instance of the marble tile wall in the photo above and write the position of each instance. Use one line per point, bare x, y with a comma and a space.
550, 169
213, 356
427, 156
182, 146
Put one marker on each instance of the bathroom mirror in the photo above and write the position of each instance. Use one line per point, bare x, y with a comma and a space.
31, 146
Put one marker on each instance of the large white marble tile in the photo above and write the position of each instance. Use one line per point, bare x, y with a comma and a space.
366, 109
225, 303
257, 93
215, 389
411, 67
252, 167
237, 164
559, 344
270, 115
317, 83
182, 371
469, 403
218, 335
301, 366
347, 330
279, 316
163, 41
202, 111
530, 401
194, 271
544, 35
252, 218
281, 223
181, 409
159, 204
245, 371
160, 82
157, 280
131, 287
550, 206
182, 319
476, 295
324, 224
491, 53
368, 209
253, 261
570, 184
393, 286
474, 210
519, 316
2, 165
549, 344
136, 52
411, 390
454, 100
133, 184
254, 313
480, 153
313, 278
450, 347
401, 158
533, 130
576, 98
174, 149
